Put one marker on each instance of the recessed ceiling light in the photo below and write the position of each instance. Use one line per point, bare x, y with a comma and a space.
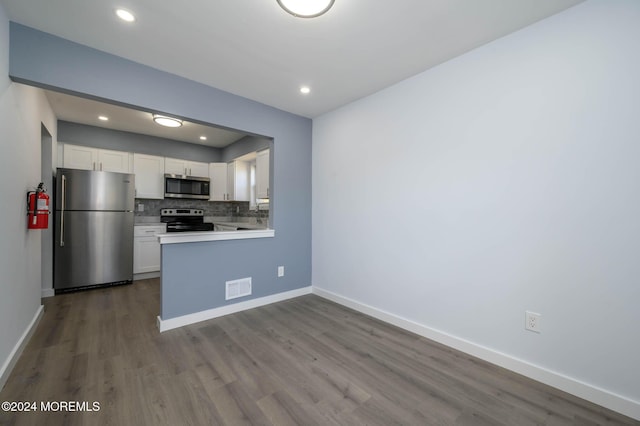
163, 120
125, 15
306, 8
103, 118
203, 138
305, 90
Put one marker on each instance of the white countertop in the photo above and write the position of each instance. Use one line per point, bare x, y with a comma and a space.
246, 225
194, 237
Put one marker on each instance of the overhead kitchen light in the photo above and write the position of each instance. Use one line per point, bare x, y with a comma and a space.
103, 118
306, 8
305, 90
203, 138
125, 15
163, 120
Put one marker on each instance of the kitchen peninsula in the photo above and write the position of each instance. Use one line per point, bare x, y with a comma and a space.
208, 274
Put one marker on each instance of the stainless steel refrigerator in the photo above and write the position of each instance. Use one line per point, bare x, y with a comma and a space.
93, 242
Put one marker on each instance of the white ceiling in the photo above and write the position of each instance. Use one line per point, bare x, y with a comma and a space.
254, 49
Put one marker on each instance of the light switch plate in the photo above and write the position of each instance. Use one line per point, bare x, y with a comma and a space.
280, 271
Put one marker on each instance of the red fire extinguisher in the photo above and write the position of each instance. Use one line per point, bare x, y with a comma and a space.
38, 208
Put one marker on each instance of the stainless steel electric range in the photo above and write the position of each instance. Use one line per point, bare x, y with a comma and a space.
184, 220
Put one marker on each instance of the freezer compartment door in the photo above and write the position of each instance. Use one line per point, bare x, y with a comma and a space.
90, 190
93, 248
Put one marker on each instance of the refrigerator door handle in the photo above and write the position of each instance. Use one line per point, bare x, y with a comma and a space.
64, 196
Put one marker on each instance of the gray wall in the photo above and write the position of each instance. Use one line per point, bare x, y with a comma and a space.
22, 110
244, 146
47, 61
503, 180
98, 137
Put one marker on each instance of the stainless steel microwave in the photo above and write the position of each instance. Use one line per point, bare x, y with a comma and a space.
179, 186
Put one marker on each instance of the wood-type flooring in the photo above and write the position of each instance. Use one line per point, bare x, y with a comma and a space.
305, 361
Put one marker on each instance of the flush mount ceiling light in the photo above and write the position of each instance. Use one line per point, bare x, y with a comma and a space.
305, 90
163, 120
103, 118
125, 15
203, 138
306, 8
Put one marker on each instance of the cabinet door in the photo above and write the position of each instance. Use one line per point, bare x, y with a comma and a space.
262, 174
149, 171
113, 161
175, 167
146, 255
238, 180
198, 169
79, 157
218, 186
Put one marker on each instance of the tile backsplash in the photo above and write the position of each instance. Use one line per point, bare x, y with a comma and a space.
210, 208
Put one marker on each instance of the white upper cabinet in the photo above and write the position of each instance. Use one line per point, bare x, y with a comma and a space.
115, 161
238, 181
175, 166
198, 169
262, 174
149, 171
218, 186
79, 157
82, 157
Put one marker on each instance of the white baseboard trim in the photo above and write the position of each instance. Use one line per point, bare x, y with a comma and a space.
583, 390
171, 323
146, 275
11, 361
48, 292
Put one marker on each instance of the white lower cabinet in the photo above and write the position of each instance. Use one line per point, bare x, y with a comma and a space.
146, 248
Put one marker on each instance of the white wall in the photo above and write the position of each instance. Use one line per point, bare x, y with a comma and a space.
22, 110
505, 180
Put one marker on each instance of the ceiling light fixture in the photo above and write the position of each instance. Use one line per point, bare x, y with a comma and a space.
306, 8
203, 138
125, 15
103, 118
163, 120
305, 90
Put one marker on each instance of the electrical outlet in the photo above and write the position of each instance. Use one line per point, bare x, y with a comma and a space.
532, 321
280, 271
140, 207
